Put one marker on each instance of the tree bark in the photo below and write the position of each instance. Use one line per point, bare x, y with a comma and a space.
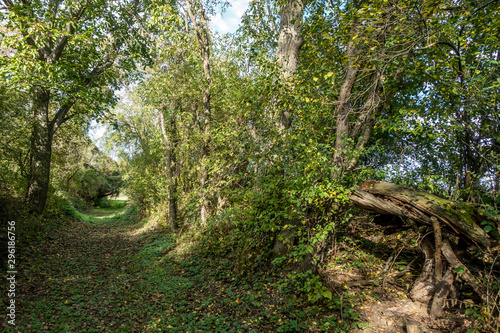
443, 288
290, 38
452, 259
343, 106
289, 42
423, 288
41, 151
171, 174
202, 35
438, 244
460, 218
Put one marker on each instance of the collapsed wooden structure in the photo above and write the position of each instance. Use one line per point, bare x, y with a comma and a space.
447, 219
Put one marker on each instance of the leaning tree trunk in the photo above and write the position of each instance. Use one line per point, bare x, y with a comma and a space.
440, 215
41, 151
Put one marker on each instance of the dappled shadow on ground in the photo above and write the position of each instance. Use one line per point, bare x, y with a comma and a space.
105, 276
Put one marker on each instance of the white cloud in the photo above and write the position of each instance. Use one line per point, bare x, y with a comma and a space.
232, 17
239, 6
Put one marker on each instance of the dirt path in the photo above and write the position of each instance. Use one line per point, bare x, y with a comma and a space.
90, 278
116, 275
119, 276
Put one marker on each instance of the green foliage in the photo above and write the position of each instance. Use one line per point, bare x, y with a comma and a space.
14, 143
69, 61
448, 97
421, 109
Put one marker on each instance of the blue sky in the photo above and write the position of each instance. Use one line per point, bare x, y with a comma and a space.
226, 23
232, 17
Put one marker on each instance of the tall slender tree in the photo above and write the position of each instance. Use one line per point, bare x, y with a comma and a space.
199, 21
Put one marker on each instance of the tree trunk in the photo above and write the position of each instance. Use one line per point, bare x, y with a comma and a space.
290, 38
41, 151
202, 35
443, 288
171, 174
423, 288
458, 218
289, 42
344, 102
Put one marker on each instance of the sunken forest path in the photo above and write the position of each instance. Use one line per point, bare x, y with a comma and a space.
110, 274
91, 277
115, 273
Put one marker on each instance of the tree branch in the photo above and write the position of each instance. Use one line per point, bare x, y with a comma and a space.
61, 42
61, 115
271, 17
98, 70
8, 3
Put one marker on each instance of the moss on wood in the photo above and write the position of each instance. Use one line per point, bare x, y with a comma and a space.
461, 218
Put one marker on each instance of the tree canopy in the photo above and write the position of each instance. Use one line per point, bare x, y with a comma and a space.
266, 132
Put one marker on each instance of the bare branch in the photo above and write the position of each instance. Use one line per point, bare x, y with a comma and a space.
8, 3
271, 17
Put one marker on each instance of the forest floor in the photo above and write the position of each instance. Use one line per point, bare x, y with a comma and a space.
112, 272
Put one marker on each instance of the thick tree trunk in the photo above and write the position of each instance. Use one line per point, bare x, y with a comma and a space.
290, 36
41, 152
392, 199
289, 42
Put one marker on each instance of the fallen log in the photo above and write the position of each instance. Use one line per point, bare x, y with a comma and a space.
387, 198
443, 217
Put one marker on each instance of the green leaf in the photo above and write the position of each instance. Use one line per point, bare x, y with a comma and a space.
327, 294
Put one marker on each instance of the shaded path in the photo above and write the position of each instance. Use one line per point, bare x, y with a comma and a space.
85, 278
117, 276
